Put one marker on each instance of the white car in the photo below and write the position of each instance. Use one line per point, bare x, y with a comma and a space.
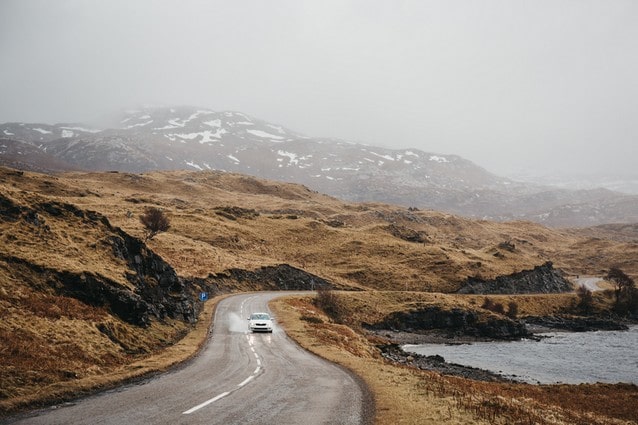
260, 322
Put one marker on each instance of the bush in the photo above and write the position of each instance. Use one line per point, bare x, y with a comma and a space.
585, 299
625, 291
490, 305
330, 303
154, 221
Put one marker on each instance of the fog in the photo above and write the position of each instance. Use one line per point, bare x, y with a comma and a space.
515, 86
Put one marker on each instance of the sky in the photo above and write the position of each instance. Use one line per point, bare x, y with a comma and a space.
539, 86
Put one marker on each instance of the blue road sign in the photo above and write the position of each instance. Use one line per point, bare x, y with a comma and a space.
203, 296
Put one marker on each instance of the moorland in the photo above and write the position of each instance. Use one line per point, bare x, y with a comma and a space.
86, 301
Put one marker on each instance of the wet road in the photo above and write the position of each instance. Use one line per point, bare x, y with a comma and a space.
239, 377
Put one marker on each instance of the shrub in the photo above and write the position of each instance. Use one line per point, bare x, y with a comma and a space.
490, 305
585, 299
330, 303
154, 221
625, 291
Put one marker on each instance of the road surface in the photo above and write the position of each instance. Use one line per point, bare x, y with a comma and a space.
238, 378
591, 283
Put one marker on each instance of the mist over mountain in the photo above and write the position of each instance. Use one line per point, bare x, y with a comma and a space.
189, 138
625, 182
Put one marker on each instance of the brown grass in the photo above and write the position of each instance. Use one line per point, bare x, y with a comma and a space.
37, 371
404, 395
213, 229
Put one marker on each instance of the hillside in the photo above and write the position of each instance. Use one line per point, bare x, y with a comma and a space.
83, 295
187, 138
222, 221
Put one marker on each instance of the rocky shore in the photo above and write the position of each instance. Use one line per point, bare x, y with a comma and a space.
392, 350
394, 353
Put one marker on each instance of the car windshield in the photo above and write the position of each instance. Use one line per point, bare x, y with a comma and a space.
259, 316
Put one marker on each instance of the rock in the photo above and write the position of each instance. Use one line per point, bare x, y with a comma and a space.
454, 322
542, 279
408, 234
157, 290
394, 353
282, 277
155, 281
576, 323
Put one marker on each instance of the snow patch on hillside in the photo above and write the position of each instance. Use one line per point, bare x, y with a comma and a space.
82, 129
207, 136
292, 156
278, 128
264, 134
179, 123
140, 124
388, 157
192, 164
213, 123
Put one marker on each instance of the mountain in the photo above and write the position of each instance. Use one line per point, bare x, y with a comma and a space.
199, 139
25, 156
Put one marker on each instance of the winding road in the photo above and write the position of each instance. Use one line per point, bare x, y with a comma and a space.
239, 377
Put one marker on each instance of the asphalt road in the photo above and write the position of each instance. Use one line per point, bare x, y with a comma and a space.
591, 283
239, 377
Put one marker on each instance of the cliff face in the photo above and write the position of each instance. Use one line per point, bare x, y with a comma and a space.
151, 288
542, 279
156, 283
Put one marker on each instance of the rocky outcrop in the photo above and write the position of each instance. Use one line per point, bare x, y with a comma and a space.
282, 277
155, 290
407, 234
575, 323
155, 281
542, 279
89, 288
453, 322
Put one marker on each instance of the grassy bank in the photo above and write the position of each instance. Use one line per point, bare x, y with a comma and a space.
117, 374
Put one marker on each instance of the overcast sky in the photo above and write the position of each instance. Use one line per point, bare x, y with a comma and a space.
511, 85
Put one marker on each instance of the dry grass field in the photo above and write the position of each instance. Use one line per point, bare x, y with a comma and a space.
53, 346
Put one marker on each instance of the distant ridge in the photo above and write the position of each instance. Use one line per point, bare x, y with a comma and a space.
189, 138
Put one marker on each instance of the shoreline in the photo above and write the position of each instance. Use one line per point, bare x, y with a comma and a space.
395, 350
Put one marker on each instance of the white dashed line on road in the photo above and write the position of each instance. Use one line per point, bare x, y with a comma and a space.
206, 403
242, 384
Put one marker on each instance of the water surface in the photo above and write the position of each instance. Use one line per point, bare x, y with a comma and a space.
566, 357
